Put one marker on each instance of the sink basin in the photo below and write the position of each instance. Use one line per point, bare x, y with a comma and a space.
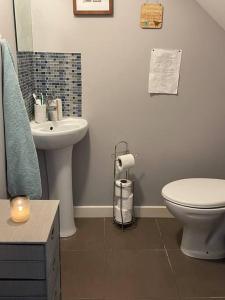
57, 140
58, 134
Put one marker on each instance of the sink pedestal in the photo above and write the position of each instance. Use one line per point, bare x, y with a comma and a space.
57, 139
59, 168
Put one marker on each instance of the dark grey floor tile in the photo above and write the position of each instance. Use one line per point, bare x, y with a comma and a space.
83, 274
89, 235
212, 298
143, 235
164, 298
171, 231
138, 274
198, 278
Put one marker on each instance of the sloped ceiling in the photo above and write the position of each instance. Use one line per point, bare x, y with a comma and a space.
216, 9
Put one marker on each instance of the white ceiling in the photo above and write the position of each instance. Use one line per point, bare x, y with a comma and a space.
216, 9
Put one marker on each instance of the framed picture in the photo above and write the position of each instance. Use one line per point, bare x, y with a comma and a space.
93, 7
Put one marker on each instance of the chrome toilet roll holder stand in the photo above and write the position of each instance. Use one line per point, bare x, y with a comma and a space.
121, 149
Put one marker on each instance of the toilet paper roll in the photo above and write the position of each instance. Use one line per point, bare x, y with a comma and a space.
126, 188
127, 203
126, 213
125, 162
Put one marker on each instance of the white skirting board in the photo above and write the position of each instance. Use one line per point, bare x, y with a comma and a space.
106, 211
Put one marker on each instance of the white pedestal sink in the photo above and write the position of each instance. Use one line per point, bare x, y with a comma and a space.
57, 139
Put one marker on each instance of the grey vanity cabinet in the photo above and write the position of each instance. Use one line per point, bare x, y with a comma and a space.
30, 255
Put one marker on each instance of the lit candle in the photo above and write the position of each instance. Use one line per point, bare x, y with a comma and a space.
20, 209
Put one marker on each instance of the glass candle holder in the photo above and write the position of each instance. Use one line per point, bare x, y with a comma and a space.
20, 209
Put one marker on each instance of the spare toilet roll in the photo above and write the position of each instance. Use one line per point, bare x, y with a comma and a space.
126, 213
126, 188
127, 203
125, 162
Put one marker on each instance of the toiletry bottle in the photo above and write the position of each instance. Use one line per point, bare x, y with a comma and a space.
52, 110
59, 109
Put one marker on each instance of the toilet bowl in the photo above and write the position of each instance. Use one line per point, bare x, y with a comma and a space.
199, 204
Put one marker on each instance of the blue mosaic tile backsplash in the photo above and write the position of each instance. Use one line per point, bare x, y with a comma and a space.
56, 75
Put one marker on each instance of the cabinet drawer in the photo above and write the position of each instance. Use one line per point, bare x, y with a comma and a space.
53, 239
22, 288
23, 298
22, 252
22, 270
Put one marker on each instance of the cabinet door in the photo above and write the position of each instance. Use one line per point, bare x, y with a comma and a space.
53, 261
54, 273
56, 291
53, 241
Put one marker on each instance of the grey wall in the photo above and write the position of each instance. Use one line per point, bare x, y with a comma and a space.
175, 136
216, 9
7, 31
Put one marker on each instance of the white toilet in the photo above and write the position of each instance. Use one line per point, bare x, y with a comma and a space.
199, 204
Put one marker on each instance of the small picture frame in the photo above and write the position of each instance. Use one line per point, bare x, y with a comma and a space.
93, 7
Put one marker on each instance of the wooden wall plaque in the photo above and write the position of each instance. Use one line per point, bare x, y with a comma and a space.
151, 15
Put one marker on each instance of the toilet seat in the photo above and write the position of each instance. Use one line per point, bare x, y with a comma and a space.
196, 192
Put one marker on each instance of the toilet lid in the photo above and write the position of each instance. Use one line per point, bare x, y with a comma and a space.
196, 192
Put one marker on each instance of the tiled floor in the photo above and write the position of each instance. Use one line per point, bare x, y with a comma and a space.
143, 263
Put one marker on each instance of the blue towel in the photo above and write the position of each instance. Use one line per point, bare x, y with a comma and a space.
23, 174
